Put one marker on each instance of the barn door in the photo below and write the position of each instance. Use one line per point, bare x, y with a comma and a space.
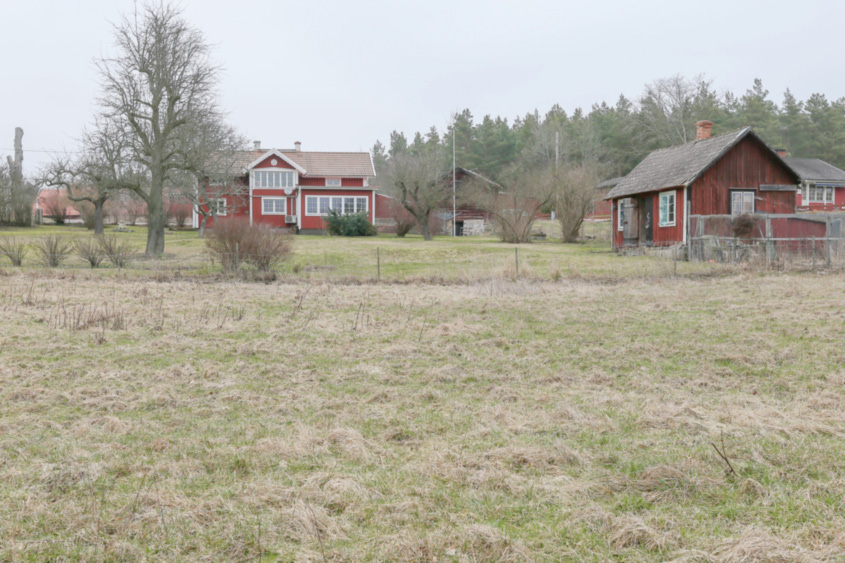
631, 220
647, 217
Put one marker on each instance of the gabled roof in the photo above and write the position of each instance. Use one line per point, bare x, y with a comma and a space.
277, 153
610, 183
816, 170
681, 165
311, 163
474, 174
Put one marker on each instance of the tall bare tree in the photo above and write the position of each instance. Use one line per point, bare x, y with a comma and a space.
420, 182
160, 88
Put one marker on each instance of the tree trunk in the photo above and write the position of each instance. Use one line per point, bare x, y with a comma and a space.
203, 222
156, 222
98, 216
156, 219
426, 229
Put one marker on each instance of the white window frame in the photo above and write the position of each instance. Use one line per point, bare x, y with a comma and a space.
620, 206
284, 201
744, 192
671, 199
812, 191
356, 199
284, 173
333, 182
219, 202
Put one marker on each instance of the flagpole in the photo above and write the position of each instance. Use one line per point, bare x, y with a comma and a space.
454, 191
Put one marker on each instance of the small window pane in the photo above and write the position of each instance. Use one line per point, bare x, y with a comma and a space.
325, 204
337, 204
311, 205
361, 205
267, 206
349, 205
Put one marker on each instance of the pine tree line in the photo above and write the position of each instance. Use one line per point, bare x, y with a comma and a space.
612, 139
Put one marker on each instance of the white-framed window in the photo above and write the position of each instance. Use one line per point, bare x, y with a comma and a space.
742, 201
218, 206
217, 181
273, 205
273, 179
620, 214
333, 182
345, 205
817, 194
666, 215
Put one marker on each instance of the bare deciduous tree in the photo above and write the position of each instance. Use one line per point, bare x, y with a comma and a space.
574, 196
669, 108
103, 168
212, 172
513, 207
160, 90
420, 183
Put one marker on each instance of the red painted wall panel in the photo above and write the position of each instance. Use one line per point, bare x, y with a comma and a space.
747, 165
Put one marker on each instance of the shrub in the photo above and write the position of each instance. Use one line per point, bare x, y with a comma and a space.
404, 224
233, 241
117, 250
15, 250
91, 251
55, 207
53, 250
86, 213
352, 225
743, 225
179, 214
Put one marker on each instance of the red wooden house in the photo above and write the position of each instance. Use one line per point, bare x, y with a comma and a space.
295, 189
730, 174
822, 185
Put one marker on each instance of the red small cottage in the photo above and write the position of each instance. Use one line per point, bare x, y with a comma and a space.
730, 174
294, 189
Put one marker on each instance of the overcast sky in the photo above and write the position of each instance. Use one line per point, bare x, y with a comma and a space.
337, 75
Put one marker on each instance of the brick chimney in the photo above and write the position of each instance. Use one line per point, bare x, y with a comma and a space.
297, 146
781, 152
702, 130
257, 145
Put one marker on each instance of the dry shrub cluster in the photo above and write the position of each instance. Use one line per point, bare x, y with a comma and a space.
14, 249
234, 241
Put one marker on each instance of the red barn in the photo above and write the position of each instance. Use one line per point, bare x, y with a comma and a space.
295, 189
730, 174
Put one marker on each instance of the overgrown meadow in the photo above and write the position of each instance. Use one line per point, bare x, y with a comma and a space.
689, 416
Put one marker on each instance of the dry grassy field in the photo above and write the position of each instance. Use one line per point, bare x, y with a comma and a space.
203, 419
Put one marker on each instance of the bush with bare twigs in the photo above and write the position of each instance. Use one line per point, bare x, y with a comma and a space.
117, 250
234, 241
53, 250
91, 251
14, 249
179, 214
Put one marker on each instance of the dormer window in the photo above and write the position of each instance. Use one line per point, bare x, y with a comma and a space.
273, 179
332, 182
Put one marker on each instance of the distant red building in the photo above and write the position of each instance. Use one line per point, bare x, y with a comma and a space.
822, 185
295, 189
